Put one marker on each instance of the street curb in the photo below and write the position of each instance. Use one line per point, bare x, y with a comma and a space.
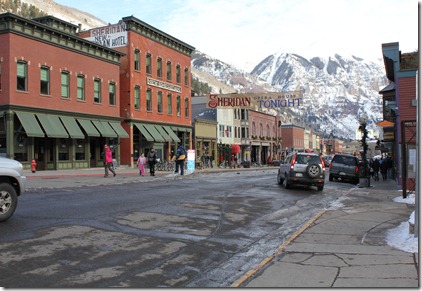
250, 273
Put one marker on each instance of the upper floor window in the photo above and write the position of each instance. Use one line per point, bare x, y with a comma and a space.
160, 102
45, 80
22, 76
112, 93
178, 74
187, 107
169, 104
137, 97
148, 64
97, 91
186, 77
65, 77
81, 87
159, 68
221, 130
149, 101
137, 60
178, 106
169, 71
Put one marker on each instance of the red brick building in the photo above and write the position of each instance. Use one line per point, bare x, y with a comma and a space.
155, 91
293, 137
399, 103
265, 137
59, 94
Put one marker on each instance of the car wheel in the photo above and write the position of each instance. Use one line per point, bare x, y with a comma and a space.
279, 179
286, 184
8, 201
330, 178
313, 170
320, 188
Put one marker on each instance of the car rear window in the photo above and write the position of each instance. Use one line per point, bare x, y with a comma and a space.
344, 160
302, 159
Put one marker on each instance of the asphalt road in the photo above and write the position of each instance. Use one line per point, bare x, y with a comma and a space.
200, 230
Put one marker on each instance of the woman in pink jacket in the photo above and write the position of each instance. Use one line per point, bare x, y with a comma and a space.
108, 161
141, 164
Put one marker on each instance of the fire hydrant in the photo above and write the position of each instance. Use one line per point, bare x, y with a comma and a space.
33, 166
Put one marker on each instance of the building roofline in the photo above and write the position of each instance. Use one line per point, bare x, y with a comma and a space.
151, 32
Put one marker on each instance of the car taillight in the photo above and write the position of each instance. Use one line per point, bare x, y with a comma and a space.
331, 165
357, 169
322, 163
293, 163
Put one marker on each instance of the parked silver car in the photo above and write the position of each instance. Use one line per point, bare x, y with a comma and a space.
302, 169
12, 185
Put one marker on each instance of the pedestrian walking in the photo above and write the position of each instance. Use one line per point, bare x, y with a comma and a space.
152, 160
376, 167
180, 159
141, 164
384, 168
108, 161
390, 167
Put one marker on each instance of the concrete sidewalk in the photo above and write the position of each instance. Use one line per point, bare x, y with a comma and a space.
345, 247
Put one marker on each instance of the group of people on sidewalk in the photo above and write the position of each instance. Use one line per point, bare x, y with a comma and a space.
152, 159
384, 165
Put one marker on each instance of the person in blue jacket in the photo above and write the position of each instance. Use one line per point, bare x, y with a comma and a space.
180, 159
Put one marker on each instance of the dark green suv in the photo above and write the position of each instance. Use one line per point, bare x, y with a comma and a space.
344, 167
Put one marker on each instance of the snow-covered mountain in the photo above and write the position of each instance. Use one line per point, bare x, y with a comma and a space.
336, 90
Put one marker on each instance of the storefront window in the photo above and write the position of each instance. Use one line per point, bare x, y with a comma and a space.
80, 150
21, 148
64, 147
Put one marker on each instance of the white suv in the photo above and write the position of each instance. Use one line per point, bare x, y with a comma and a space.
12, 184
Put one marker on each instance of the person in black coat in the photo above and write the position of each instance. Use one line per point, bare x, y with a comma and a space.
152, 160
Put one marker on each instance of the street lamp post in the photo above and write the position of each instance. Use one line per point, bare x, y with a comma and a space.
365, 180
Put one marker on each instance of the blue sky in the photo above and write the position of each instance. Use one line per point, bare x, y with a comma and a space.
244, 32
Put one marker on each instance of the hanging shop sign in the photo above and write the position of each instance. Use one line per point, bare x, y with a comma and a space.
255, 101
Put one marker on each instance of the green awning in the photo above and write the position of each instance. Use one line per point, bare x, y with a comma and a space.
121, 132
104, 128
72, 127
144, 132
163, 133
171, 133
52, 125
154, 133
88, 127
30, 124
181, 129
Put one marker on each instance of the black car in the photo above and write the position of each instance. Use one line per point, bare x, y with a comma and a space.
302, 169
344, 167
